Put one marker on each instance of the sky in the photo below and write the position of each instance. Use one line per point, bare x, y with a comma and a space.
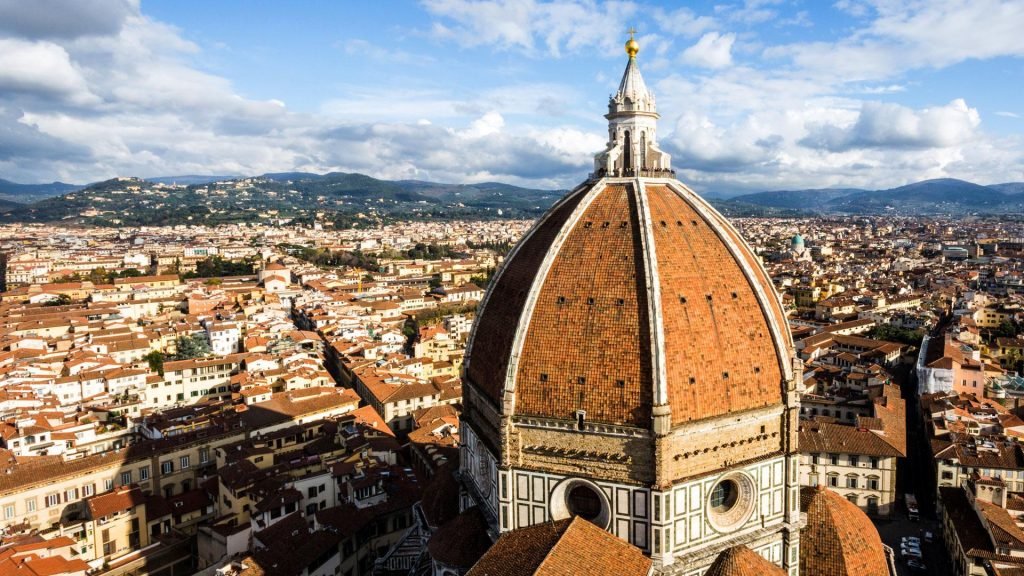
753, 94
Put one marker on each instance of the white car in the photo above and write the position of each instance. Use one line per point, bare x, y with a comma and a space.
912, 541
911, 552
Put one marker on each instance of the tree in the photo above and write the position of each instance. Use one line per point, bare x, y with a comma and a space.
194, 346
1006, 329
485, 280
155, 359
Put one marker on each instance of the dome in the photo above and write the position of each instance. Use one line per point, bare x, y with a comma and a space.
838, 538
798, 240
742, 561
630, 297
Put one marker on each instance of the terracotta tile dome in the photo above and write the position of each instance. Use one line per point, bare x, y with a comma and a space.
742, 561
838, 539
630, 294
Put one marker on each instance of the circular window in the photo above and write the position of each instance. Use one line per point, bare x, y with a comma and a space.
582, 501
723, 496
579, 497
731, 502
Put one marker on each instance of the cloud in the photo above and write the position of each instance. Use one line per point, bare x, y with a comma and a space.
123, 95
64, 19
886, 125
1007, 114
532, 26
713, 50
41, 69
683, 22
907, 36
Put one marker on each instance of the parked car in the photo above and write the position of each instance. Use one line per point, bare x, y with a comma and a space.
912, 541
915, 564
910, 552
928, 537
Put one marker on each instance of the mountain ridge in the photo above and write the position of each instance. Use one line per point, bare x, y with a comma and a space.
348, 198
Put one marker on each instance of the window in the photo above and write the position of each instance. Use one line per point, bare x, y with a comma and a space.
204, 455
166, 467
851, 481
71, 494
88, 490
52, 500
584, 502
9, 512
873, 483
874, 462
852, 498
144, 473
30, 505
126, 478
312, 491
184, 461
854, 460
814, 458
108, 484
833, 480
834, 458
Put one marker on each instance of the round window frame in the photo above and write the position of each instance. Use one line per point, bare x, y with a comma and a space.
558, 504
742, 507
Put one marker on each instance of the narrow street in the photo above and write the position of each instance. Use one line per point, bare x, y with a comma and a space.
916, 475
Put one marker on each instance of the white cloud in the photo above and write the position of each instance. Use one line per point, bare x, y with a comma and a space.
533, 26
42, 69
887, 125
713, 50
907, 36
683, 22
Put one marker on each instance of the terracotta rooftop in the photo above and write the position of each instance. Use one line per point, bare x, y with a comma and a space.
838, 539
564, 548
584, 318
119, 500
742, 561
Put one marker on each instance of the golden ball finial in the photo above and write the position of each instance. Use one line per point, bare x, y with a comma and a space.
632, 46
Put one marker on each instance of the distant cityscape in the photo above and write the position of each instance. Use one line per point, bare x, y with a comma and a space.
186, 413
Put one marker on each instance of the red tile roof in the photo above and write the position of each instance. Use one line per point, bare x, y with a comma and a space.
838, 539
588, 342
564, 548
742, 561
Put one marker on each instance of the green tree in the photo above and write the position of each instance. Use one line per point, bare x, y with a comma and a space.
1006, 329
155, 359
194, 346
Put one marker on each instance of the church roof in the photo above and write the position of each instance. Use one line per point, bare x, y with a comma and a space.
838, 539
563, 548
742, 561
631, 294
462, 541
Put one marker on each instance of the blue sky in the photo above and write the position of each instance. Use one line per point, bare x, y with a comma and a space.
754, 95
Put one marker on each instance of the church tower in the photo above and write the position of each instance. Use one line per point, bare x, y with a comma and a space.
631, 364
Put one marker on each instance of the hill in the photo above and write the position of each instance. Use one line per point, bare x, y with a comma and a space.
343, 198
797, 199
189, 179
939, 196
347, 199
25, 193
